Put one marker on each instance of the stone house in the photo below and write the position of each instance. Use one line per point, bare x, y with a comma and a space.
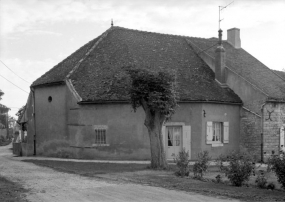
227, 98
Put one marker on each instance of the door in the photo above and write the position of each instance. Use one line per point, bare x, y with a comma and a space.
174, 141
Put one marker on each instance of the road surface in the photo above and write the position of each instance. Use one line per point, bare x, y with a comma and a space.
48, 185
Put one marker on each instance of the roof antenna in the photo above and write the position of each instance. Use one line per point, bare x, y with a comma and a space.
112, 23
220, 9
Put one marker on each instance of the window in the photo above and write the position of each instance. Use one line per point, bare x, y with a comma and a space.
174, 135
100, 135
217, 133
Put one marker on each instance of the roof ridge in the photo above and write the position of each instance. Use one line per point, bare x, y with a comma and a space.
88, 52
182, 36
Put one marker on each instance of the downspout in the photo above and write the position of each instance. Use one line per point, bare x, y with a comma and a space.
34, 117
261, 134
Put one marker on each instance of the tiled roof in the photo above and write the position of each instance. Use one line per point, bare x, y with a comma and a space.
101, 76
59, 72
280, 73
248, 67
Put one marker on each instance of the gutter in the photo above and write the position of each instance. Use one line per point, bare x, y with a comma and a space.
126, 101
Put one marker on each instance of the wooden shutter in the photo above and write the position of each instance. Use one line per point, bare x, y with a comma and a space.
282, 138
187, 139
163, 129
226, 132
209, 132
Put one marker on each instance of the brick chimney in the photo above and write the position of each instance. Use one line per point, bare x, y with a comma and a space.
220, 59
234, 37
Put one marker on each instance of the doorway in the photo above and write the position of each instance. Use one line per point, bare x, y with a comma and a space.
174, 141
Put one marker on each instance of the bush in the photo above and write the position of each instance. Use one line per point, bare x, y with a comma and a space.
271, 186
201, 166
2, 139
277, 164
219, 179
239, 169
182, 161
261, 181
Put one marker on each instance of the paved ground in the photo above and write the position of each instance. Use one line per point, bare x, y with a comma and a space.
46, 185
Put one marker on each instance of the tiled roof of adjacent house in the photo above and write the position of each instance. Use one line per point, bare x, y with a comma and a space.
244, 64
101, 75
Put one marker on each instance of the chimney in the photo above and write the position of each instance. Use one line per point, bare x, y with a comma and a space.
220, 59
234, 37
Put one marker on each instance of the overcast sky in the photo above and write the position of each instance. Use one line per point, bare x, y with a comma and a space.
38, 34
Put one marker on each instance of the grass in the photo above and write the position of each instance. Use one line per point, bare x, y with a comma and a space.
140, 174
10, 191
89, 169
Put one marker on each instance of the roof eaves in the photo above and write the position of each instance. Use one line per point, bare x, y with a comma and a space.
48, 84
180, 101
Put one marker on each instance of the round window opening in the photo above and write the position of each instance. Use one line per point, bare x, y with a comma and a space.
49, 98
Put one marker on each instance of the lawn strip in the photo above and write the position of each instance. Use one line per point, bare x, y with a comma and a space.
139, 174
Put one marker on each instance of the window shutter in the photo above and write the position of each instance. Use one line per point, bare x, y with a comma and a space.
163, 129
187, 139
282, 137
226, 132
209, 132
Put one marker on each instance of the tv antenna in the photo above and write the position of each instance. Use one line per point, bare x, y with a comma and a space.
220, 9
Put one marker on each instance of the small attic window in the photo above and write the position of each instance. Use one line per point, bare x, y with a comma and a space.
49, 99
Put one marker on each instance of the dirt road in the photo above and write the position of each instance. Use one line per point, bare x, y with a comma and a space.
47, 185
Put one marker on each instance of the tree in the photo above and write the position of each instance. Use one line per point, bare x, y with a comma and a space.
156, 93
1, 94
20, 113
3, 113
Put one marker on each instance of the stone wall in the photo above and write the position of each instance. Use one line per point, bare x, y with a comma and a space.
274, 118
250, 132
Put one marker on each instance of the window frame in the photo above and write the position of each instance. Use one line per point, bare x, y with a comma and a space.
211, 133
215, 130
101, 132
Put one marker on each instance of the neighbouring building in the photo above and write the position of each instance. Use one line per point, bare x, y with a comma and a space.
228, 99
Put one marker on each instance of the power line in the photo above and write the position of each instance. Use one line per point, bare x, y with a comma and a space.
13, 84
14, 72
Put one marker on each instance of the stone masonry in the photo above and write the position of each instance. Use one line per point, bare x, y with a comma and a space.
273, 119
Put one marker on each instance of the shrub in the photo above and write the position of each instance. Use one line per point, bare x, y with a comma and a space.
218, 179
271, 186
261, 181
201, 166
239, 169
277, 164
182, 161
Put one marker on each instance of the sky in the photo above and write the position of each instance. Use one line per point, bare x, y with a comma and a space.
35, 35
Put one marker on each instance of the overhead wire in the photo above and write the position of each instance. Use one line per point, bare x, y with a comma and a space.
14, 84
14, 72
